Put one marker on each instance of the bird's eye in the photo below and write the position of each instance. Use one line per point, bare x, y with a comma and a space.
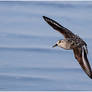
59, 41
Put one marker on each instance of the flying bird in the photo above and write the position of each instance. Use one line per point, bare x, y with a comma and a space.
72, 42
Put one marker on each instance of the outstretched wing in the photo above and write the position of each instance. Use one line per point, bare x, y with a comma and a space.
67, 33
81, 56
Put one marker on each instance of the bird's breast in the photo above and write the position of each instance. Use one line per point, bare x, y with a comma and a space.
65, 45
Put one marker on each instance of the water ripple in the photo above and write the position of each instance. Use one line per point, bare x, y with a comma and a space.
31, 49
5, 76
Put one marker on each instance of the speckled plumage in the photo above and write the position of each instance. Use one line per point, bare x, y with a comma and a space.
73, 42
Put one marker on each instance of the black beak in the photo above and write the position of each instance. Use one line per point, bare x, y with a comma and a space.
54, 45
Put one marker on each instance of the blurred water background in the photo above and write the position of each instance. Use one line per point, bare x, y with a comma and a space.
27, 59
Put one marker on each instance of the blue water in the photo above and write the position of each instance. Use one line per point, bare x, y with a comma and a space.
27, 59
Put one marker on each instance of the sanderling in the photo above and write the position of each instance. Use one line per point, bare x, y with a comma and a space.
72, 42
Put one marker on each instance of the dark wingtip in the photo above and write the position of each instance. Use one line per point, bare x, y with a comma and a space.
90, 75
45, 18
53, 23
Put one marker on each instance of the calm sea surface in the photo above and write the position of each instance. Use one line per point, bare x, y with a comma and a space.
27, 59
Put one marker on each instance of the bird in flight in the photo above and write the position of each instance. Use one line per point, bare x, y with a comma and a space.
72, 42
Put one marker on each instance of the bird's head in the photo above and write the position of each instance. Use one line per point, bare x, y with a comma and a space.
60, 43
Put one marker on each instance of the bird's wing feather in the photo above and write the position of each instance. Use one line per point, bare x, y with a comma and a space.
81, 57
67, 33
